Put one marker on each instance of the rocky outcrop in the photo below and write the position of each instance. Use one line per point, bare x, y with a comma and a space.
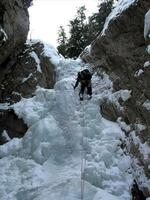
14, 26
30, 69
121, 52
23, 66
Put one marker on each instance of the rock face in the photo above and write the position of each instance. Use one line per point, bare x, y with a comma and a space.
14, 26
121, 52
30, 69
23, 66
12, 125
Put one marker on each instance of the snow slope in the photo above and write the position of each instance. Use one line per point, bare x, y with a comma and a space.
64, 136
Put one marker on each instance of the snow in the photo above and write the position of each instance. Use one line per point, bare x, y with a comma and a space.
138, 72
143, 147
139, 174
4, 106
146, 104
37, 60
16, 93
87, 49
140, 127
5, 35
5, 135
147, 64
50, 52
147, 25
148, 49
10, 147
125, 94
63, 133
25, 79
114, 98
123, 125
120, 6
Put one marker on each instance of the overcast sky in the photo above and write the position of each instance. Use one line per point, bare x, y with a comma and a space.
46, 16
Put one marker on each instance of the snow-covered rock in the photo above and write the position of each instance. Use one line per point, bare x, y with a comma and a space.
120, 7
147, 26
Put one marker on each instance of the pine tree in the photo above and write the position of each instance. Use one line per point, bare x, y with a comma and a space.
104, 10
81, 32
62, 41
76, 42
28, 3
97, 20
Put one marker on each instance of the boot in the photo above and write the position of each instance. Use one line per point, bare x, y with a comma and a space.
89, 97
81, 98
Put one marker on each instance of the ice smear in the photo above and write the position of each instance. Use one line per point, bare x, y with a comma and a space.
37, 60
147, 25
5, 38
46, 162
25, 79
120, 6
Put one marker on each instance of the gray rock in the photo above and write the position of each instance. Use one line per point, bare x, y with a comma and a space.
121, 52
14, 26
14, 126
109, 110
23, 77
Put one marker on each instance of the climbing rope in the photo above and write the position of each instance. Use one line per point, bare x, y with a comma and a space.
83, 158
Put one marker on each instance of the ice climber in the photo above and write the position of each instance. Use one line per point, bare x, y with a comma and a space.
84, 78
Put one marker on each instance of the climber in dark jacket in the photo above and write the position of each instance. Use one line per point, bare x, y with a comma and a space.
84, 78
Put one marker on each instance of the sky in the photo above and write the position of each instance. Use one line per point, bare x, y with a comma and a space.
46, 16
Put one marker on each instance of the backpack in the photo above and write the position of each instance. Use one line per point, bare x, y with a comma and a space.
85, 74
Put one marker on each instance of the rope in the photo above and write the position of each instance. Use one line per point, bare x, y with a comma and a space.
83, 159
